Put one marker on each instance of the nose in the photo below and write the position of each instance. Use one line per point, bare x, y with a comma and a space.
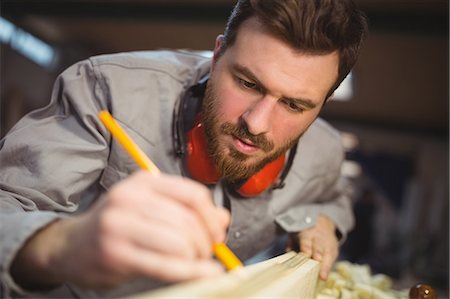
259, 116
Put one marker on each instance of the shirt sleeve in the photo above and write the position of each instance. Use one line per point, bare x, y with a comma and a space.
48, 161
322, 190
335, 203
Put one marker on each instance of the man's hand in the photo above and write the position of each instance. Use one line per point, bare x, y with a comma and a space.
159, 227
320, 243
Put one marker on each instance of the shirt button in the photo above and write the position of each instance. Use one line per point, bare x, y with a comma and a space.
308, 220
237, 235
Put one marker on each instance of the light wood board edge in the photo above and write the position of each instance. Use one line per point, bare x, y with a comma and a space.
290, 275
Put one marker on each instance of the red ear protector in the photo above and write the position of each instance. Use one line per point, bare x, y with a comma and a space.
201, 168
190, 143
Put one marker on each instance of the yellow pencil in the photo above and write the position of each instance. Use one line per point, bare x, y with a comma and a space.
221, 251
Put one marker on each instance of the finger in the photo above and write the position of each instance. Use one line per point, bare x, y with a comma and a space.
224, 216
325, 267
154, 236
176, 221
161, 212
172, 269
168, 268
195, 196
329, 257
318, 251
306, 244
182, 221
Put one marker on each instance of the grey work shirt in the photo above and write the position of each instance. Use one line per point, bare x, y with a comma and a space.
57, 160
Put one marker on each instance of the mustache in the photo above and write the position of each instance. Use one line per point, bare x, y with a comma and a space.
241, 132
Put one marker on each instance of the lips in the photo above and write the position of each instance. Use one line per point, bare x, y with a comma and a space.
245, 146
245, 142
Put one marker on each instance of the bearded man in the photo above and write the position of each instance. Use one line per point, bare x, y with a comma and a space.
243, 154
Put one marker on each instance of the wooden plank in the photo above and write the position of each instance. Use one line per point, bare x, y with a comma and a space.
291, 275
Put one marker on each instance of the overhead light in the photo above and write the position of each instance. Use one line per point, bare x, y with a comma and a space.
27, 44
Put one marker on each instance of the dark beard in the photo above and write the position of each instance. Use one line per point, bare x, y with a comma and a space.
231, 166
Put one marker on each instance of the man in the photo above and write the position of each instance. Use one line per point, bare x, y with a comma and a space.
75, 210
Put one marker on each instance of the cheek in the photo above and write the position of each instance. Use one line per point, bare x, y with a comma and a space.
287, 128
230, 106
280, 135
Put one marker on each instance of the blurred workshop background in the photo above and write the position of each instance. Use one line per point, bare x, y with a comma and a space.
393, 109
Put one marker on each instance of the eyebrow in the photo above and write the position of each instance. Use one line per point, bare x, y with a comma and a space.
307, 103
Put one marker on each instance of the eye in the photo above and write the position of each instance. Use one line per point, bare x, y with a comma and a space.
246, 84
293, 106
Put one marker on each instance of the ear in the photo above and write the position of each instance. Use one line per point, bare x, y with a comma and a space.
217, 48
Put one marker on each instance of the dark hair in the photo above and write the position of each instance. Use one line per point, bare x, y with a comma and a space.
311, 26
